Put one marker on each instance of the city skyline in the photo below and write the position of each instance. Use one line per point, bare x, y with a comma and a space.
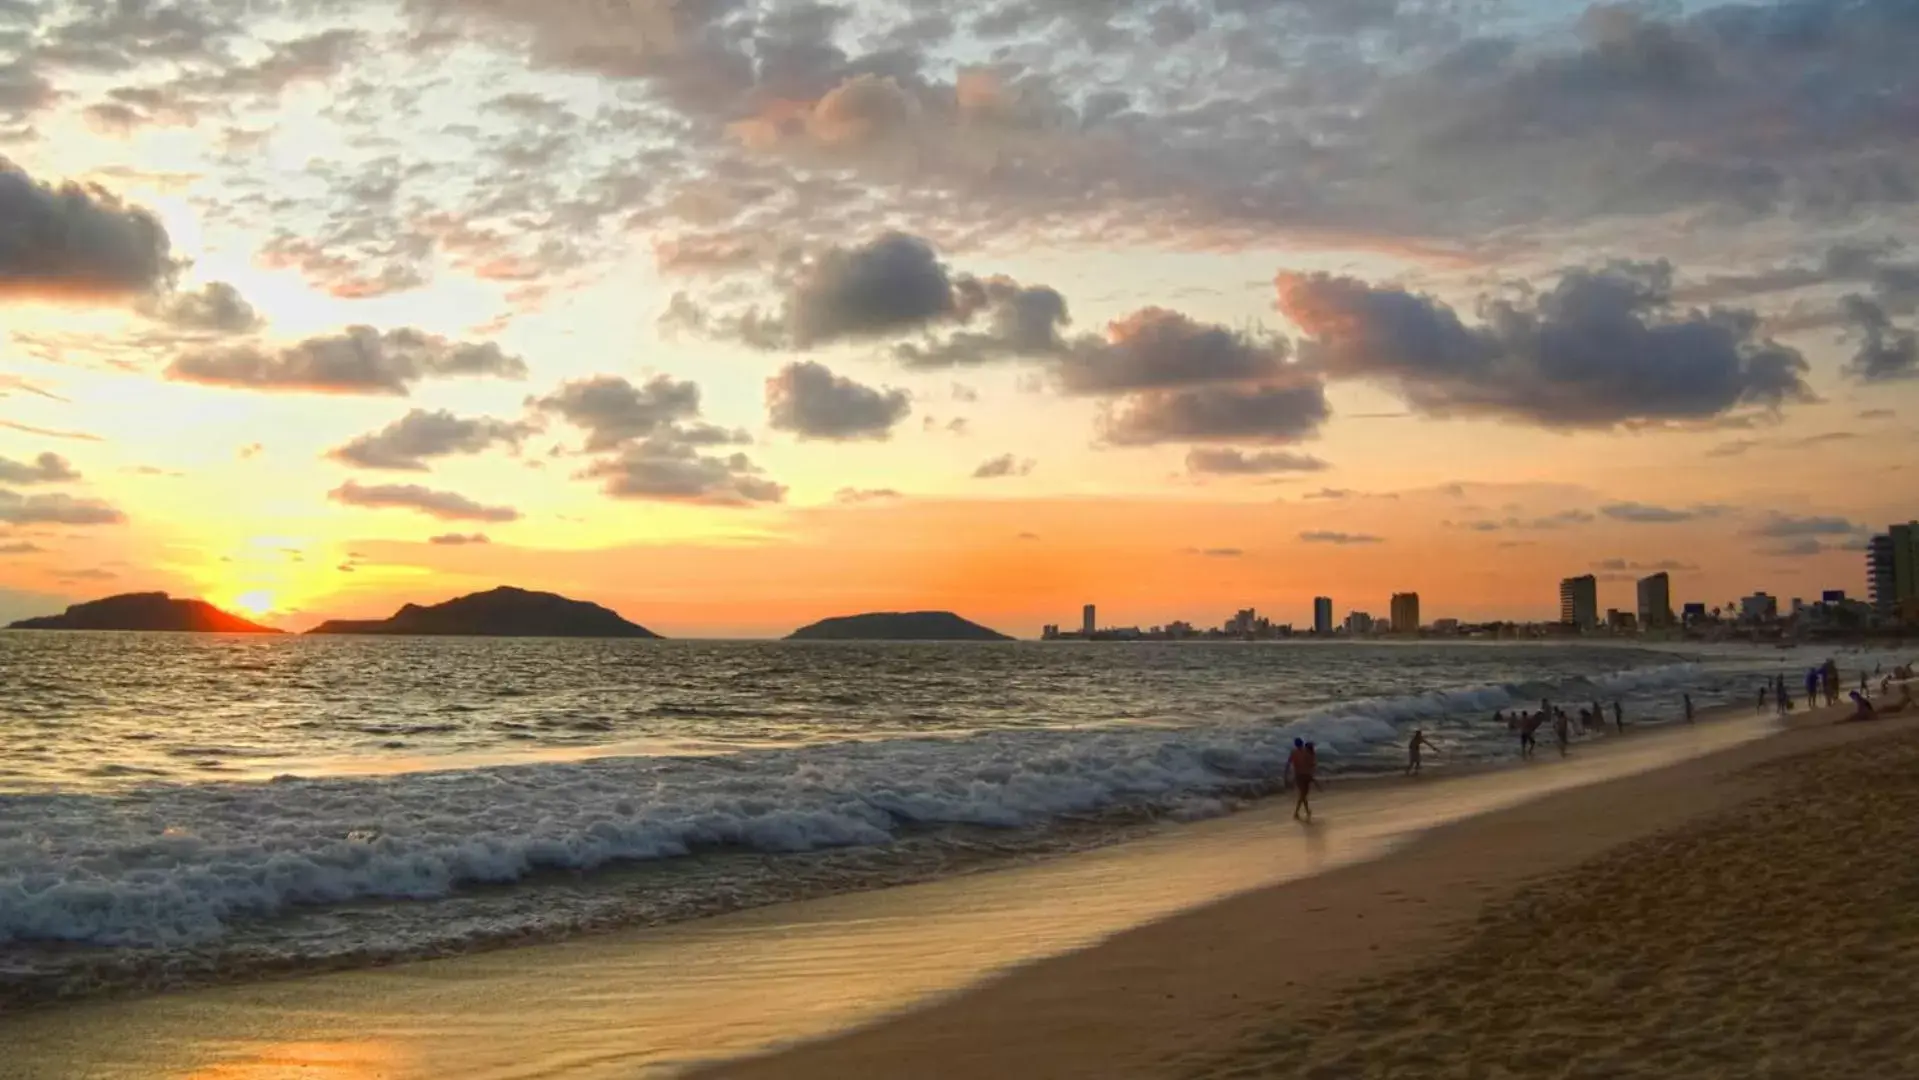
737, 316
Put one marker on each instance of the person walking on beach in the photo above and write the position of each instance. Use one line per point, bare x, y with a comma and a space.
1419, 740
1529, 733
1688, 708
1560, 732
1761, 706
1618, 718
1812, 688
1831, 680
1299, 765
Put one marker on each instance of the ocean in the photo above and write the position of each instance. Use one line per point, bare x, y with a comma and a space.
178, 809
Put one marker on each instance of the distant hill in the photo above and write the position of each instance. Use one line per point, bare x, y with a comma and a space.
897, 626
501, 612
146, 611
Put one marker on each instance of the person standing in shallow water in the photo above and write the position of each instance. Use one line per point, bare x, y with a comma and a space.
1618, 718
1688, 708
1419, 740
1300, 765
1560, 732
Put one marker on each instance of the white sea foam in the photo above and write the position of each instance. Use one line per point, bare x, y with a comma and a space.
177, 864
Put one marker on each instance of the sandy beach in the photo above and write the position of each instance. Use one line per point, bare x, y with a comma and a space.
1746, 913
1206, 950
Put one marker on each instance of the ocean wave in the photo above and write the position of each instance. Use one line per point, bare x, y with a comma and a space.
168, 864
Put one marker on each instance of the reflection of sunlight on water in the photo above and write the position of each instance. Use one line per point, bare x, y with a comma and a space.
337, 1060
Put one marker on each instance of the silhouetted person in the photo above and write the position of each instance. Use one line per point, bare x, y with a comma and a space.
1560, 732
1618, 718
1688, 708
1529, 733
1299, 764
1418, 740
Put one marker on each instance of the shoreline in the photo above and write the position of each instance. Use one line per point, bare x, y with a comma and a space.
1186, 993
760, 973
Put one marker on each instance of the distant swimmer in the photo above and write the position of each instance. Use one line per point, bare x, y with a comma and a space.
1618, 718
1419, 740
1299, 765
1688, 708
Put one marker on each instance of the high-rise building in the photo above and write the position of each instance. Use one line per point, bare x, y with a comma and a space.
1579, 602
1405, 613
1358, 622
1323, 616
1655, 601
1087, 620
1892, 568
1759, 607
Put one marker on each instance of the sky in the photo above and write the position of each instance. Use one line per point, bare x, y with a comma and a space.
736, 314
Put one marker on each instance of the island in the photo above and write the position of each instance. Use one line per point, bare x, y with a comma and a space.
501, 612
146, 611
897, 626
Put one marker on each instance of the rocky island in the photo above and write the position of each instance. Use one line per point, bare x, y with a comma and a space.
501, 612
897, 626
146, 611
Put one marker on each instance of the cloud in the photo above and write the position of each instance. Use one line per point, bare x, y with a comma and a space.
458, 539
613, 411
1662, 565
809, 400
1003, 466
1733, 448
888, 286
406, 443
20, 547
57, 509
1218, 552
77, 240
1331, 493
671, 470
1157, 349
1780, 526
215, 307
1021, 321
1600, 349
51, 433
1646, 514
1547, 522
1281, 412
1877, 414
444, 505
359, 360
48, 468
865, 495
1885, 352
1342, 538
1804, 547
1227, 461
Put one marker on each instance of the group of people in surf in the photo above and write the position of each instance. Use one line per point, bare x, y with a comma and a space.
1302, 764
1527, 724
1825, 680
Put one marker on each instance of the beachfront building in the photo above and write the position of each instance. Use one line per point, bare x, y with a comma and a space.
1892, 568
1655, 601
1358, 623
1088, 620
1759, 607
1405, 613
1323, 616
1579, 602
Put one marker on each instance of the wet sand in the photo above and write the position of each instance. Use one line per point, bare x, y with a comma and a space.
1167, 984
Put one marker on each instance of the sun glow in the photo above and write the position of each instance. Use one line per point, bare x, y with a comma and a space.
255, 603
